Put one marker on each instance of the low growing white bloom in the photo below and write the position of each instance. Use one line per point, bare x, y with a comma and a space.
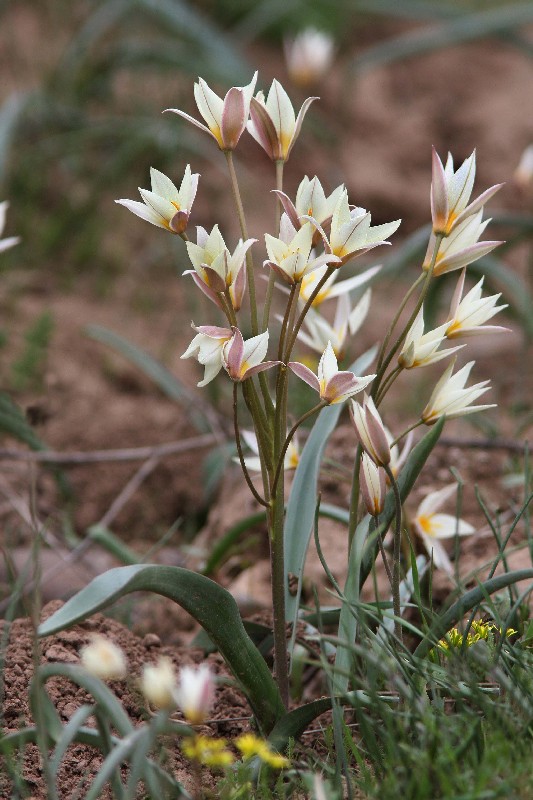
207, 347
431, 526
159, 684
347, 320
195, 693
166, 206
450, 193
469, 314
273, 123
311, 201
420, 349
104, 659
451, 398
332, 385
331, 287
309, 56
226, 118
9, 241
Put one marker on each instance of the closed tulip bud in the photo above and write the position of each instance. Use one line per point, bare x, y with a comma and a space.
370, 430
104, 659
159, 684
373, 485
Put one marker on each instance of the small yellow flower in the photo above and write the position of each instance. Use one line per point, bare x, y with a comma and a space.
251, 745
207, 751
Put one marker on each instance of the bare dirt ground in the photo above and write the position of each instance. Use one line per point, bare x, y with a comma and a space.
383, 128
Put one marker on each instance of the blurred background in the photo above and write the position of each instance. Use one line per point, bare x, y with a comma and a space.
83, 86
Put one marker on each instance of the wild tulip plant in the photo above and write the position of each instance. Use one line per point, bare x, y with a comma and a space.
316, 236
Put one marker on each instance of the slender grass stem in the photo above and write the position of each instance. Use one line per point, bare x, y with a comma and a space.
399, 341
306, 308
239, 450
272, 276
379, 535
406, 431
396, 554
389, 380
244, 232
397, 316
354, 497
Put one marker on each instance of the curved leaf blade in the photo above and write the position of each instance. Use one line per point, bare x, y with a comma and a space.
211, 605
467, 602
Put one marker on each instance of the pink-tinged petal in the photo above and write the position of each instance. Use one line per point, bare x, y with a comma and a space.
194, 122
204, 287
213, 331
305, 374
232, 355
178, 223
376, 431
234, 116
262, 128
477, 204
289, 208
478, 330
341, 386
439, 194
289, 279
319, 229
456, 299
464, 257
260, 368
298, 124
214, 280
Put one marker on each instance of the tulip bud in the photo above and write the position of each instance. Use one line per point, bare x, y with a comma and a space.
523, 176
196, 693
370, 430
373, 485
309, 56
104, 659
159, 684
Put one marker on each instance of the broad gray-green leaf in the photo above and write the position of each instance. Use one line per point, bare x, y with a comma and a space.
300, 514
211, 605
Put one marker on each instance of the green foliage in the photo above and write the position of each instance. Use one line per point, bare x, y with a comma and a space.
27, 370
211, 605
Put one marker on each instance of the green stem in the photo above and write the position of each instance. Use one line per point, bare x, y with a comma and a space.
239, 450
285, 323
354, 497
306, 308
397, 317
288, 440
277, 567
244, 233
396, 554
379, 535
408, 430
272, 276
399, 341
389, 380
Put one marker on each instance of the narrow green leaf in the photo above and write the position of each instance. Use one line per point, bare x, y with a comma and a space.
161, 376
301, 506
467, 602
211, 605
69, 734
11, 113
103, 696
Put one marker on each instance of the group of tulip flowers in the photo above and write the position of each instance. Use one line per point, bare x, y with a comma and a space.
316, 235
